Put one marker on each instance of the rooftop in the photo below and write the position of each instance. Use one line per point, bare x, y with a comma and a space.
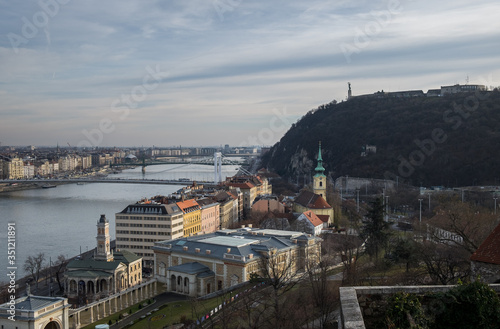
33, 303
489, 250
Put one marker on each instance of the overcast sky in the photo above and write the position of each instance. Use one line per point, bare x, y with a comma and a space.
215, 72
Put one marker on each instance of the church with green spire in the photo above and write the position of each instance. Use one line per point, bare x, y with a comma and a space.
315, 201
319, 179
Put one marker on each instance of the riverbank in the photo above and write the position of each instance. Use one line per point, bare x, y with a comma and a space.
39, 183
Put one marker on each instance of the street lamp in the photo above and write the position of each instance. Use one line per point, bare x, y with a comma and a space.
357, 200
386, 207
420, 217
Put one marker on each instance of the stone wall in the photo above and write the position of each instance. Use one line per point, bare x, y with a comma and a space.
359, 302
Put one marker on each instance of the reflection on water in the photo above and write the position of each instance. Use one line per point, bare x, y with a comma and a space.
63, 220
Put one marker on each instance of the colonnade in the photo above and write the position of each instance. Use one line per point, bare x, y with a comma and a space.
112, 304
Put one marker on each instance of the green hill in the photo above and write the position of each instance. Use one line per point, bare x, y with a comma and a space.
451, 140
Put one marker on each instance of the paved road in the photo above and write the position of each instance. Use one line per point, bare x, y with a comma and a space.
161, 299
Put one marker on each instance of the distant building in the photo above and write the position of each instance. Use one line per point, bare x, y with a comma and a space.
444, 90
455, 89
32, 312
13, 168
199, 265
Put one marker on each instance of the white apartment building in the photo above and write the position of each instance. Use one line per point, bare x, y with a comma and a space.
140, 225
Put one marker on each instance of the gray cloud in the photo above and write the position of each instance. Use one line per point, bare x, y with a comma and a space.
229, 69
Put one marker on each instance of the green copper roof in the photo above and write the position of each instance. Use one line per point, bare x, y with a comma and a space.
319, 169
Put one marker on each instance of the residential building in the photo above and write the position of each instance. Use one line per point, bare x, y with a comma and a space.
192, 216
199, 265
210, 215
249, 192
268, 204
29, 170
310, 223
250, 187
229, 208
13, 168
140, 225
42, 168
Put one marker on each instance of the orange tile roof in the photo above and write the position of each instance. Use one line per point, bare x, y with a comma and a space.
186, 204
489, 250
241, 185
313, 218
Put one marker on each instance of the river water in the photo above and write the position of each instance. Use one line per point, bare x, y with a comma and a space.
63, 220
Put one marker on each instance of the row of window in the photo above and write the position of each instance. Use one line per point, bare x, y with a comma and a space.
165, 218
148, 233
126, 246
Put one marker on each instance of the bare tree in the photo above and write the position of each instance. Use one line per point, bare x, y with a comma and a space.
445, 263
59, 266
280, 272
323, 292
461, 224
34, 265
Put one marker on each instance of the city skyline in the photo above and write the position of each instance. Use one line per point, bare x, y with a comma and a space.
223, 71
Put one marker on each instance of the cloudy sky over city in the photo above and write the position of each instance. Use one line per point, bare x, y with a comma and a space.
212, 72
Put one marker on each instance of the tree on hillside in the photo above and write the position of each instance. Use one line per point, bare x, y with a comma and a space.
375, 231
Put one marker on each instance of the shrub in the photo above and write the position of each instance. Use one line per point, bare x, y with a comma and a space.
404, 310
472, 305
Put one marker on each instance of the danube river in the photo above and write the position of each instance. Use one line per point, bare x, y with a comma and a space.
63, 220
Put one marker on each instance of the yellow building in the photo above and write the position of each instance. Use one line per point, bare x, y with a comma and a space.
13, 168
192, 216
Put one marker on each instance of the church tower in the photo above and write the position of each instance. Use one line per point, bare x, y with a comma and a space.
103, 240
319, 180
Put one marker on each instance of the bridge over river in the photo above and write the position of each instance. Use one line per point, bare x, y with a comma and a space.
50, 182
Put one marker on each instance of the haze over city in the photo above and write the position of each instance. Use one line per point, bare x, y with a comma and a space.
218, 72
